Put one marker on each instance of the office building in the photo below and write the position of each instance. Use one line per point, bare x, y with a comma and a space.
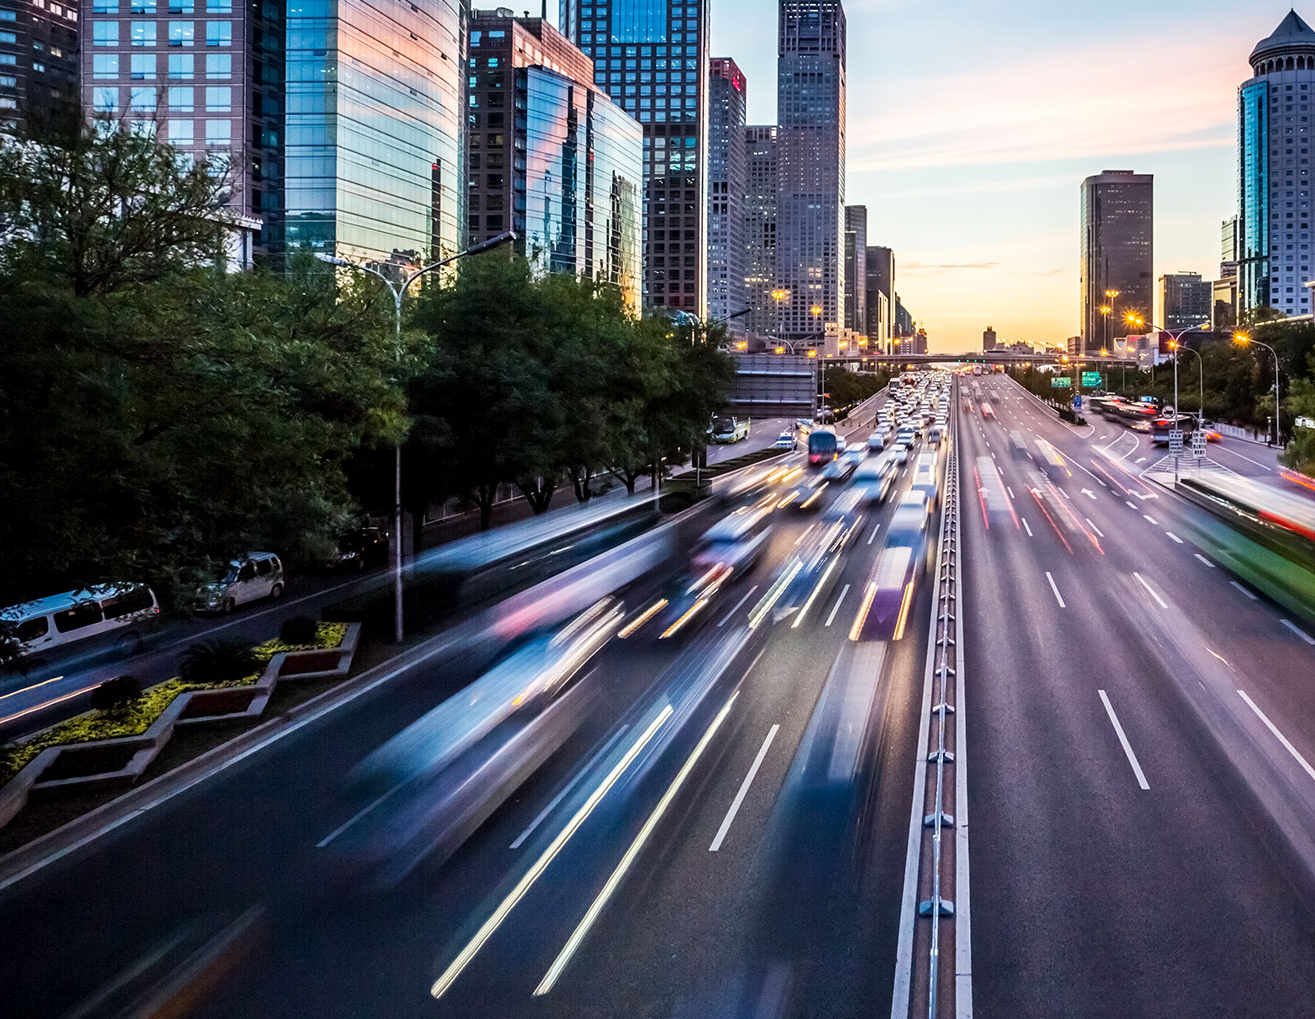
903, 320
38, 64
1228, 248
550, 155
760, 231
856, 268
810, 193
1185, 300
1117, 212
1223, 313
988, 338
207, 76
1274, 171
652, 57
727, 185
880, 296
376, 95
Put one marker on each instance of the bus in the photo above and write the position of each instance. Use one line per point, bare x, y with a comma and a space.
728, 429
822, 448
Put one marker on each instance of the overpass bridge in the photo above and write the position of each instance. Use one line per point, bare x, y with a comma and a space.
1010, 359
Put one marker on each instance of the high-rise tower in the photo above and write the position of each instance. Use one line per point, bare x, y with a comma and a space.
652, 57
811, 166
1116, 251
760, 231
1274, 171
727, 167
856, 268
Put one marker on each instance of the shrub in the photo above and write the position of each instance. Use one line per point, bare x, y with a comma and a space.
116, 694
223, 660
299, 630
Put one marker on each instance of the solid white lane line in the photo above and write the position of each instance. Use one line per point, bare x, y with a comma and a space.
1174, 537
1249, 594
1248, 459
1127, 747
1298, 631
1151, 519
836, 607
743, 791
1023, 521
1058, 598
602, 752
596, 907
1150, 590
1094, 527
1010, 491
875, 529
1130, 504
726, 618
1305, 764
1066, 495
1204, 560
495, 920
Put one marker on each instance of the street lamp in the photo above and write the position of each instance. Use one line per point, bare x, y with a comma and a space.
397, 290
1243, 339
1174, 339
1107, 309
1200, 377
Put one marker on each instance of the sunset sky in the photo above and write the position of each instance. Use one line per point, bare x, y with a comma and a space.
971, 126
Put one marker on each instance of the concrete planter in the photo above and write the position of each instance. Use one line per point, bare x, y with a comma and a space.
120, 762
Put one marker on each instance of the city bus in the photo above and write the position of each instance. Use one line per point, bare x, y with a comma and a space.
822, 447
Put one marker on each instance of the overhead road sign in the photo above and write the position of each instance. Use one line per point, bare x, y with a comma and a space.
1061, 382
1090, 379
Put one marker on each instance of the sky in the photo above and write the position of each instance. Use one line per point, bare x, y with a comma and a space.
972, 124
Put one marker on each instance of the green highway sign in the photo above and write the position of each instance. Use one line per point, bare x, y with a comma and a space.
1061, 382
1090, 379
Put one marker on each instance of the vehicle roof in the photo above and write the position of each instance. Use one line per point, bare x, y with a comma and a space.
734, 527
58, 602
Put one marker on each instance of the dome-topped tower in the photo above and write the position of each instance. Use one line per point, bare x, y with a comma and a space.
1289, 47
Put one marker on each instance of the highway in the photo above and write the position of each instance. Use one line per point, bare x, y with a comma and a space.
725, 834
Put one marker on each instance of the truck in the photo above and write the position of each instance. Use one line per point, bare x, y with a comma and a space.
728, 429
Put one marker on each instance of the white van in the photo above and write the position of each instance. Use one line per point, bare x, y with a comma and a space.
736, 541
257, 575
118, 614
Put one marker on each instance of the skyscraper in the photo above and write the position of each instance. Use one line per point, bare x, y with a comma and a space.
811, 166
1116, 250
760, 230
881, 295
652, 57
567, 174
856, 268
376, 100
988, 338
39, 62
727, 168
1274, 173
1185, 300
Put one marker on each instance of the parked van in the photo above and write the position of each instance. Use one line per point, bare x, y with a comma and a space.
109, 616
934, 435
257, 575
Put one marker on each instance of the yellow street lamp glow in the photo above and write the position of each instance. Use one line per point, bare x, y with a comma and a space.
1135, 320
844, 344
780, 295
780, 350
1105, 309
812, 353
1241, 338
816, 309
1111, 293
1104, 352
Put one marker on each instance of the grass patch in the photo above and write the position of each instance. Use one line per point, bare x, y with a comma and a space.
139, 714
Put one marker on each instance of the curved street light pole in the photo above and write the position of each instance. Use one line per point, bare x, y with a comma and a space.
397, 289
1244, 339
1174, 345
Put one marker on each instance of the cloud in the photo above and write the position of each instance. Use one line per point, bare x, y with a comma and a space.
925, 267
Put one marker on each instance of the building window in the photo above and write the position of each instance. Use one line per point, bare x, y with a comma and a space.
219, 66
182, 65
104, 99
105, 65
219, 6
142, 6
143, 66
105, 7
219, 99
105, 33
143, 99
219, 33
143, 33
218, 133
182, 7
181, 132
182, 33
180, 99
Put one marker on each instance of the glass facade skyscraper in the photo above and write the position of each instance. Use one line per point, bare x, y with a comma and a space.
727, 103
811, 167
1273, 235
760, 229
550, 155
856, 268
376, 95
1116, 252
651, 57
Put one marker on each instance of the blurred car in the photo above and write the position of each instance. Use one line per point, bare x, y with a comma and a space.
902, 448
876, 442
365, 546
784, 441
258, 575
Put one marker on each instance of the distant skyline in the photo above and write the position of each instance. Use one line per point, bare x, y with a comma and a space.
972, 126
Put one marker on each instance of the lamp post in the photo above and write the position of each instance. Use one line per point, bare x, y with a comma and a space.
1244, 339
1137, 320
1107, 309
1200, 378
397, 290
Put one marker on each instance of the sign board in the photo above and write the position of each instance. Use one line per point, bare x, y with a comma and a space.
1175, 441
1077, 402
1198, 443
1090, 379
1061, 382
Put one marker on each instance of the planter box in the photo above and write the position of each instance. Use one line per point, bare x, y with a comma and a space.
120, 762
